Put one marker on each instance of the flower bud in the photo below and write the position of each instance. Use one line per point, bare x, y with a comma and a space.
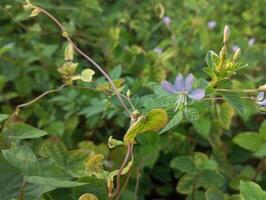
35, 12
236, 54
69, 52
226, 34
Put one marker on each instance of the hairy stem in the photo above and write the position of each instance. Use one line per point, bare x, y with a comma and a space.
78, 50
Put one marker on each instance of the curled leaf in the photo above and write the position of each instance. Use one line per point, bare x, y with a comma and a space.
86, 75
155, 120
112, 143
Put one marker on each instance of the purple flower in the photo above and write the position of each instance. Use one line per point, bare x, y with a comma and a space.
251, 41
167, 20
158, 50
211, 24
261, 101
235, 47
183, 86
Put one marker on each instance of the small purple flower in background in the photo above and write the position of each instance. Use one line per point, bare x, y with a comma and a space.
261, 100
235, 48
158, 50
211, 24
183, 89
167, 20
251, 41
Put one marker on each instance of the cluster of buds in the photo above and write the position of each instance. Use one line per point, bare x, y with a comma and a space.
67, 70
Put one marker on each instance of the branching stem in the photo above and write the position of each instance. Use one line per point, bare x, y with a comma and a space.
78, 50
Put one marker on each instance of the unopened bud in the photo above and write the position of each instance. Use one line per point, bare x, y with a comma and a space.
69, 52
236, 54
112, 143
226, 34
222, 54
35, 12
128, 93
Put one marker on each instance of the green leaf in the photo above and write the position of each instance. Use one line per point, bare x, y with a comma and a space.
226, 113
203, 126
22, 158
249, 140
55, 150
173, 122
261, 150
234, 100
214, 194
155, 120
251, 191
262, 130
52, 182
183, 164
3, 117
212, 59
211, 178
24, 131
185, 184
192, 114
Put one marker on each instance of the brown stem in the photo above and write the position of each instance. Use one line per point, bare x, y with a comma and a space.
128, 154
65, 34
36, 99
22, 191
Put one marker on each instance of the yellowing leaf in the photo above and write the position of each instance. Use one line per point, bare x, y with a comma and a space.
94, 165
86, 75
68, 69
155, 120
88, 196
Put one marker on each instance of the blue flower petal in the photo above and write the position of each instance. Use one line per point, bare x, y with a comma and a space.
168, 87
197, 94
260, 97
262, 103
179, 83
189, 82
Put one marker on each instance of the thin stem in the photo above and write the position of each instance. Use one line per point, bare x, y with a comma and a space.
16, 112
65, 34
22, 191
129, 151
138, 174
128, 176
222, 98
238, 90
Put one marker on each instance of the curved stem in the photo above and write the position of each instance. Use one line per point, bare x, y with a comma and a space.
65, 34
35, 99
